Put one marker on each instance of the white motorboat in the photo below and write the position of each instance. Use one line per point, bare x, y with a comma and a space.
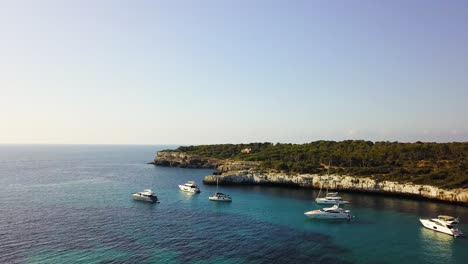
220, 197
334, 212
444, 224
146, 196
190, 186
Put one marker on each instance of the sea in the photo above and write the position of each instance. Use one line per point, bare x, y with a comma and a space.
72, 204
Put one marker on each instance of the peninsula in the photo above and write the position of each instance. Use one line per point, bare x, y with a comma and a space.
429, 170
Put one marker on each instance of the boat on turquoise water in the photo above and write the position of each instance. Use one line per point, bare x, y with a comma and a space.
145, 196
334, 212
190, 187
218, 196
330, 198
444, 224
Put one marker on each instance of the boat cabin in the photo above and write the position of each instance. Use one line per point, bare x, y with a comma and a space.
191, 184
447, 218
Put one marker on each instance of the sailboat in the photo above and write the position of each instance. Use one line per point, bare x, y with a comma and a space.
330, 197
219, 197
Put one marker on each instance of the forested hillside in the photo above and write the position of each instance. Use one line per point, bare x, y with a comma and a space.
440, 164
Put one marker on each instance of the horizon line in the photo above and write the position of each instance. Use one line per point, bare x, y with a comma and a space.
191, 144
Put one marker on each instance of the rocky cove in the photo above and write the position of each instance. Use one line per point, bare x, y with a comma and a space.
242, 172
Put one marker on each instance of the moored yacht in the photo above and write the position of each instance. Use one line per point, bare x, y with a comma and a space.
220, 197
146, 196
190, 186
444, 224
334, 212
330, 198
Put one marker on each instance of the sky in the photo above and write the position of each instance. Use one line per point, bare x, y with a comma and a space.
210, 72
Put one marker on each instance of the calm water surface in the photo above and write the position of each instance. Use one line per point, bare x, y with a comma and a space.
71, 204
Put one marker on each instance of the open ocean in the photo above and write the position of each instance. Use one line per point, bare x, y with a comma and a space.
72, 204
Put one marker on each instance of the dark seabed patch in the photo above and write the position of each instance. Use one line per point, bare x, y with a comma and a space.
132, 235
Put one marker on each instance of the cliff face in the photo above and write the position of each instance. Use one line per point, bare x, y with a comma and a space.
340, 182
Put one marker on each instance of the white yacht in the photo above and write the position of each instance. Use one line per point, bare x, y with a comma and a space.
220, 197
334, 212
146, 195
330, 198
443, 223
190, 186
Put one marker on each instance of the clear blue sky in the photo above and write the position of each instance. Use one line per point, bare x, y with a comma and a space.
195, 72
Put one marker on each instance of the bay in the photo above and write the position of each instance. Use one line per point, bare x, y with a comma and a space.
71, 204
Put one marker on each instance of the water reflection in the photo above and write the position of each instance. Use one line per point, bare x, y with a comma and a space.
187, 196
436, 245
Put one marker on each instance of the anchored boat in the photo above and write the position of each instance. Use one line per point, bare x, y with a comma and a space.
330, 198
146, 196
334, 212
190, 186
444, 224
220, 197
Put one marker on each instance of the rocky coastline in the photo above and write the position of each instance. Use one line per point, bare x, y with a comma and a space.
341, 183
245, 173
183, 160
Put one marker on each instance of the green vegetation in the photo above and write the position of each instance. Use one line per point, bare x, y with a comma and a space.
439, 164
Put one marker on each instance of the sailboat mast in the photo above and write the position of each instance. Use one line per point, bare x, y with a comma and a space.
328, 175
318, 195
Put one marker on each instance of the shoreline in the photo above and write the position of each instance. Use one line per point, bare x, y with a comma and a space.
414, 197
231, 172
341, 183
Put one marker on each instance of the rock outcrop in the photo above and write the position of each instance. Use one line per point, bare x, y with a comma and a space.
340, 182
184, 160
228, 165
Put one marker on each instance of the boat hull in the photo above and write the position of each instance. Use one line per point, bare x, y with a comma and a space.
219, 199
152, 199
317, 214
189, 189
442, 229
324, 201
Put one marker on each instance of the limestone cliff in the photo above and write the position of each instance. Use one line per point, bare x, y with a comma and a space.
340, 182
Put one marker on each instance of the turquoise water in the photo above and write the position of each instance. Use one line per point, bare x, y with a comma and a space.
71, 204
